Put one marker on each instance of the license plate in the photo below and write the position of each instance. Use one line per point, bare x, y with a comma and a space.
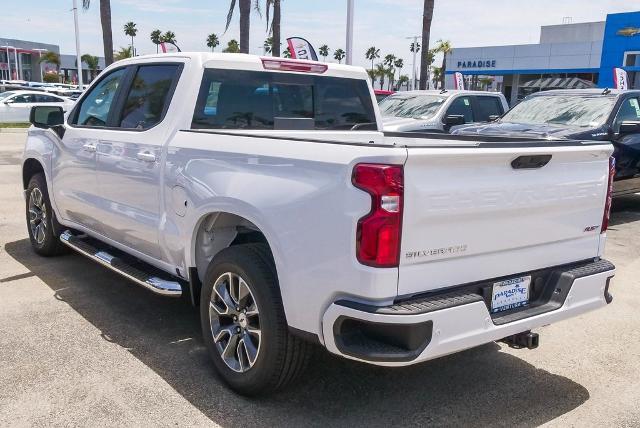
510, 294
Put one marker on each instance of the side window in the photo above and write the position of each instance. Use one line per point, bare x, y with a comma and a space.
461, 106
48, 99
95, 107
233, 99
629, 111
487, 106
149, 96
23, 99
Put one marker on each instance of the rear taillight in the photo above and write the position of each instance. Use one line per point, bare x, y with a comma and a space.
293, 65
607, 203
379, 232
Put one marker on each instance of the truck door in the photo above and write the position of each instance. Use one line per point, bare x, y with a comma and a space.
129, 158
73, 166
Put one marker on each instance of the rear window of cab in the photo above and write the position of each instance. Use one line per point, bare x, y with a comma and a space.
238, 99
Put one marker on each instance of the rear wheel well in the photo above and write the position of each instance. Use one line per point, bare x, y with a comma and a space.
30, 168
217, 231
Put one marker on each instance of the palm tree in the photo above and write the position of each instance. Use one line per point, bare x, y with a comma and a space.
232, 46
286, 53
403, 80
168, 37
427, 17
105, 21
156, 36
92, 63
212, 41
245, 21
372, 75
389, 60
324, 51
485, 82
381, 73
437, 75
274, 27
444, 47
372, 54
399, 63
267, 46
391, 74
339, 55
123, 53
131, 31
50, 58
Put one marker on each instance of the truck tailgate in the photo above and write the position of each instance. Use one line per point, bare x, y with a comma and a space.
470, 215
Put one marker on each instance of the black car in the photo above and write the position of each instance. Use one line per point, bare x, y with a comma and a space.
585, 114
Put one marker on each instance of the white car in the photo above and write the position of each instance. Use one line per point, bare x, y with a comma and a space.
265, 190
438, 111
15, 106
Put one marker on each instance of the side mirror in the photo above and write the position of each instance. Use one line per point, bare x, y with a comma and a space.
494, 117
46, 116
9, 102
629, 127
453, 120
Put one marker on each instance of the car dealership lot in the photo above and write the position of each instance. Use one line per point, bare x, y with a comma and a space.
79, 345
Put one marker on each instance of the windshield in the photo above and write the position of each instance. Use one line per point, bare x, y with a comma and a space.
6, 95
413, 106
569, 110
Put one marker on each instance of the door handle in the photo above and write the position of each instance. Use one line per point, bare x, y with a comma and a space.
146, 156
90, 147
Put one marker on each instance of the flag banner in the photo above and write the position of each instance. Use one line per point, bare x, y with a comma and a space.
168, 47
301, 49
620, 78
458, 80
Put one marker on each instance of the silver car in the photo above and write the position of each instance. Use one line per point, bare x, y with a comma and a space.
438, 111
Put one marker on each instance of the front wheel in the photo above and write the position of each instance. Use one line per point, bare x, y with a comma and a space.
41, 220
244, 325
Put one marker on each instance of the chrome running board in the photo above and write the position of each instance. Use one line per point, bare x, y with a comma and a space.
152, 282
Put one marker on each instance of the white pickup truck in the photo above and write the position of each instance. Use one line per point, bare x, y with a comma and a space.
265, 192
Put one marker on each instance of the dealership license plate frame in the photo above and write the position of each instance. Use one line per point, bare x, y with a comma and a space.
510, 294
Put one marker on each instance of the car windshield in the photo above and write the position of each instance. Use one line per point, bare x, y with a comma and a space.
567, 110
6, 95
412, 106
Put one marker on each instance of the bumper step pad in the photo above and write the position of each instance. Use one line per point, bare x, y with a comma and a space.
137, 271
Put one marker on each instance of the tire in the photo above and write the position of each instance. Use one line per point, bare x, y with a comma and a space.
278, 356
42, 225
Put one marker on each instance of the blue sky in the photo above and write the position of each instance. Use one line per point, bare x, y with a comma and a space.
383, 23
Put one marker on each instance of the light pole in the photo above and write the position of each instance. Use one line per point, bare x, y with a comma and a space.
350, 32
413, 65
40, 62
78, 55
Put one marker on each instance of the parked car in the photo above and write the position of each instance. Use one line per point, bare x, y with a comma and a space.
438, 111
579, 114
15, 106
382, 94
264, 190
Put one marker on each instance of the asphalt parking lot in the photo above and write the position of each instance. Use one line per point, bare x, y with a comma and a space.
80, 346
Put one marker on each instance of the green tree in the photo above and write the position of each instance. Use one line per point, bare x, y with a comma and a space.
92, 64
339, 55
131, 31
372, 54
324, 51
168, 37
105, 22
50, 58
268, 45
123, 53
286, 53
485, 82
437, 75
212, 41
372, 75
399, 64
389, 60
232, 47
427, 17
156, 38
273, 27
381, 73
403, 80
445, 48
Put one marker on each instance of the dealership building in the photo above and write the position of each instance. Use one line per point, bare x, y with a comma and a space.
580, 55
19, 60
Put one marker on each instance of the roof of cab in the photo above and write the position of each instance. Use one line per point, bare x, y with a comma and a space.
244, 62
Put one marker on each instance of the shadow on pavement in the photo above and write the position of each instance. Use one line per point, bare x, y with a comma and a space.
625, 209
478, 387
